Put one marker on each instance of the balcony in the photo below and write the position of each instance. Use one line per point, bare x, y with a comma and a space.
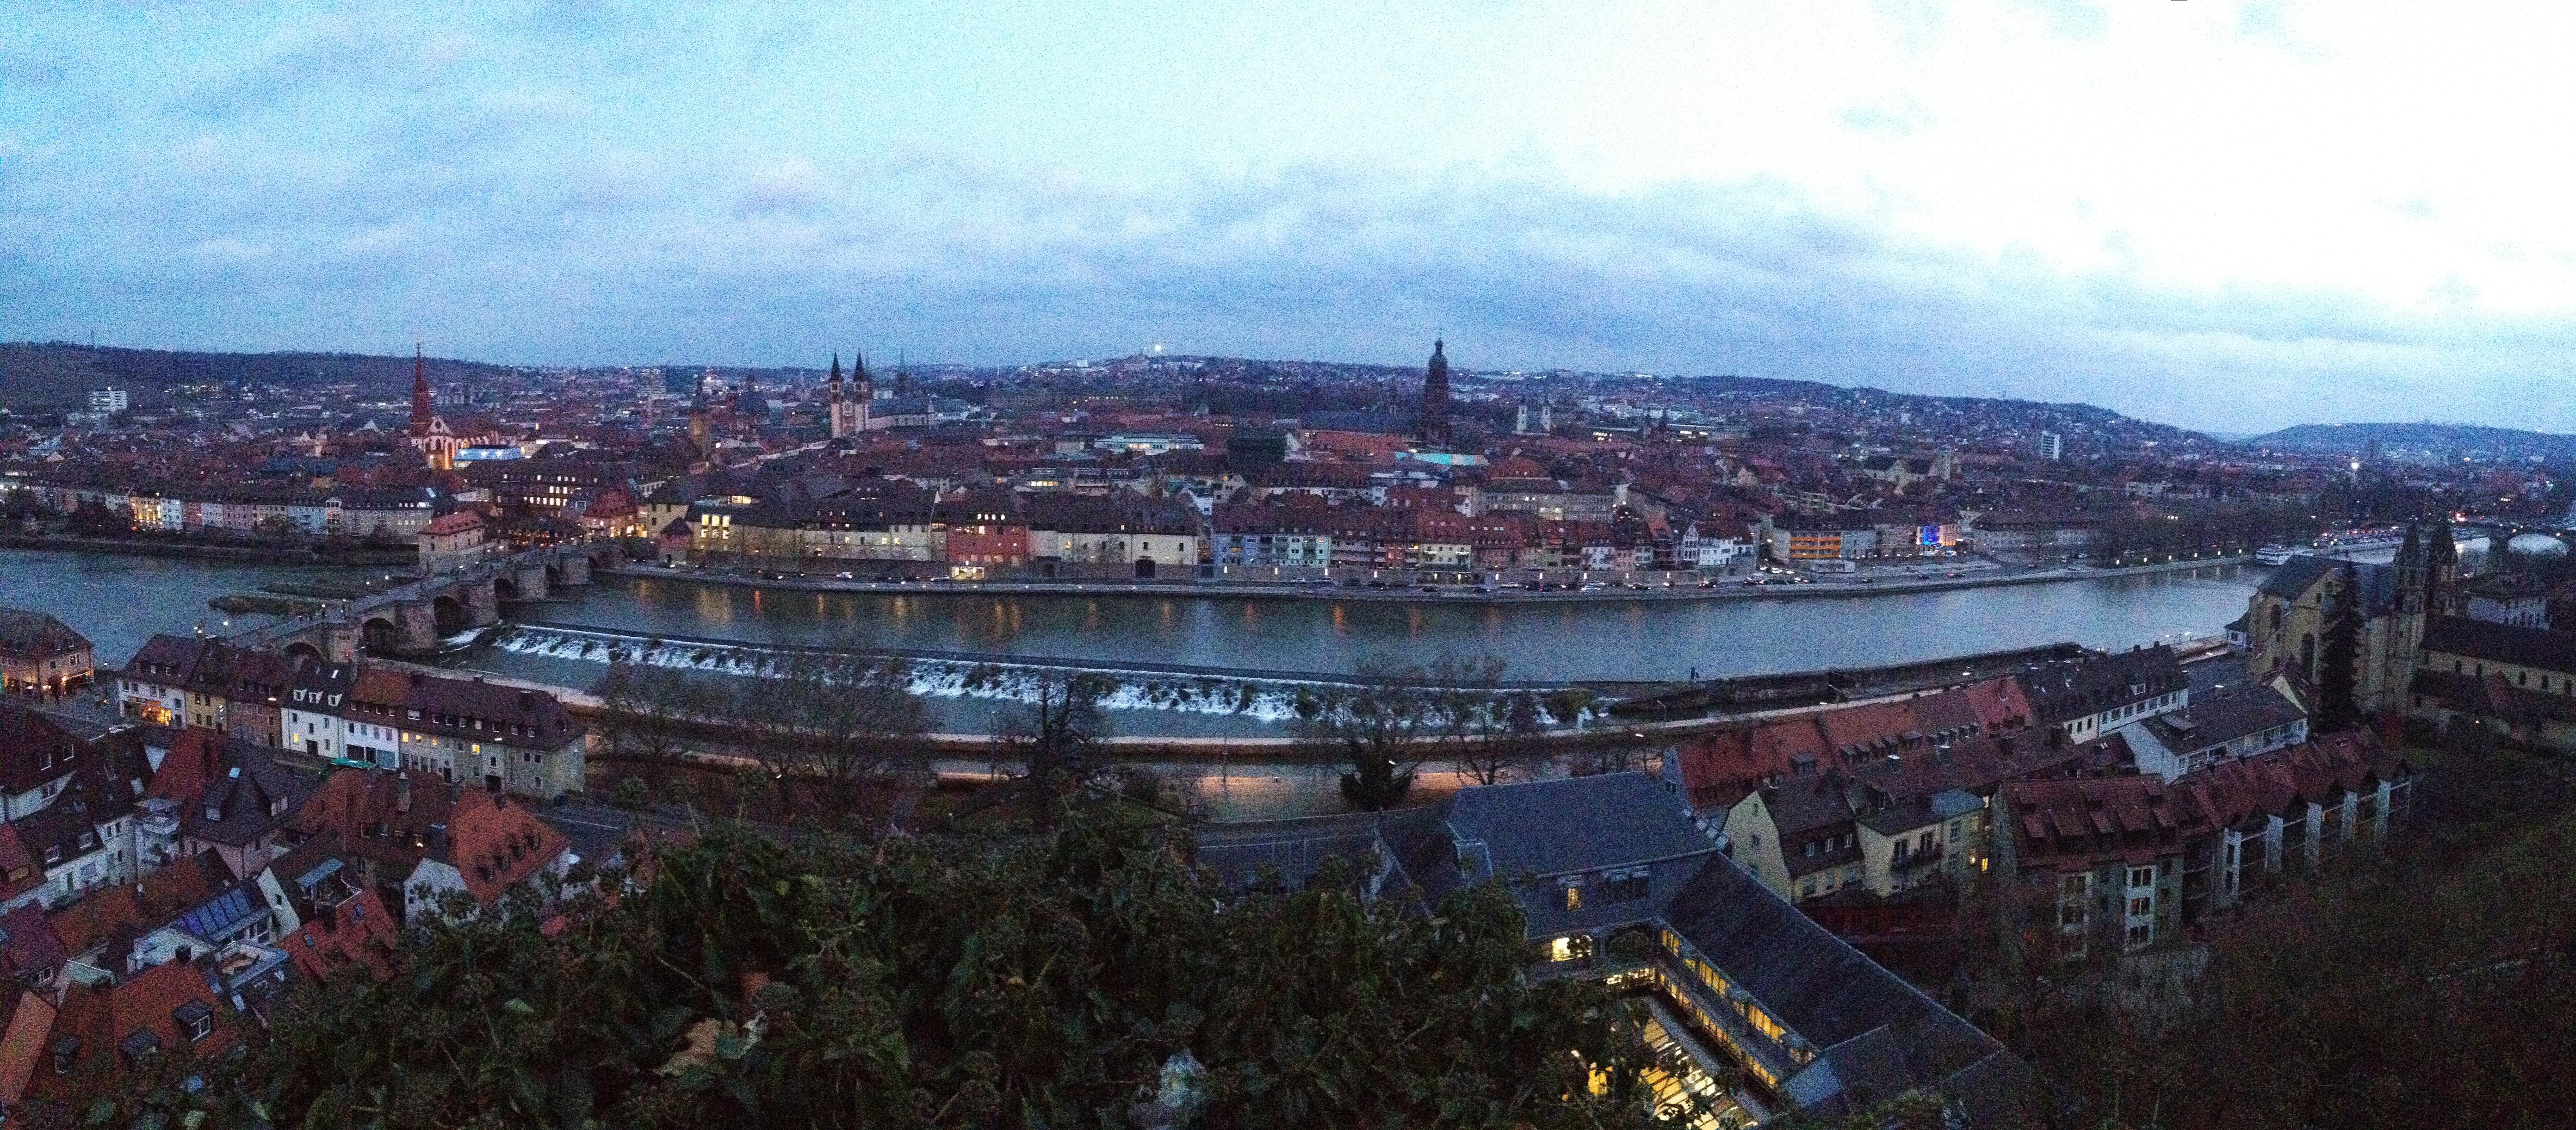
160, 817
1906, 863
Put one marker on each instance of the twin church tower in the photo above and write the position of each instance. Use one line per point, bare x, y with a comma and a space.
850, 407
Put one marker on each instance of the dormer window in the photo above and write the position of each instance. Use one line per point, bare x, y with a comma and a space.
196, 1018
140, 1047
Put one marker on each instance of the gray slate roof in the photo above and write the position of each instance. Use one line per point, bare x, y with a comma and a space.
2501, 643
1576, 823
2295, 577
1870, 1026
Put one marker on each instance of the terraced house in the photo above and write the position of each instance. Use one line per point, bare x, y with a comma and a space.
2130, 861
462, 730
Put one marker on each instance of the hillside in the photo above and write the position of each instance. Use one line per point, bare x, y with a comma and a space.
60, 374
2423, 439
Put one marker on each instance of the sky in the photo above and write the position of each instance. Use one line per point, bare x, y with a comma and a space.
2232, 216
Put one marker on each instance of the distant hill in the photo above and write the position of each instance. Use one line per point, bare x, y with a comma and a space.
2425, 438
57, 374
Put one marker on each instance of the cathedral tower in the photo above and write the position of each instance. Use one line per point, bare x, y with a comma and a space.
1433, 425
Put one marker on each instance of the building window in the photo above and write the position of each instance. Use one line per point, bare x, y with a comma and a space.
1574, 897
1626, 886
2142, 876
2142, 906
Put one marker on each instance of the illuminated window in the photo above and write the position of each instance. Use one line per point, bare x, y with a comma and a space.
1574, 898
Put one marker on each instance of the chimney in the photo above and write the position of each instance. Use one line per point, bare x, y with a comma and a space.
402, 792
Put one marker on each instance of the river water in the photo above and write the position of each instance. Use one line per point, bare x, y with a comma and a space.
120, 601
1556, 641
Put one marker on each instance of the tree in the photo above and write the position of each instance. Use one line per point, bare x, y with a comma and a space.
1381, 724
1054, 737
923, 982
2337, 707
843, 716
92, 518
649, 712
1475, 718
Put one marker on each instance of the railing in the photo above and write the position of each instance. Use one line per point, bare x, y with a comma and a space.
1911, 861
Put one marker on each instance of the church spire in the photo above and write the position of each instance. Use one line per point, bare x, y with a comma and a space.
422, 405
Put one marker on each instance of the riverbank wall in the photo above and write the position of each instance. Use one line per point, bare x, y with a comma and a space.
241, 554
1728, 589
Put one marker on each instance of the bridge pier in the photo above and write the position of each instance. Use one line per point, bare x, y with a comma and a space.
415, 628
532, 582
482, 605
331, 641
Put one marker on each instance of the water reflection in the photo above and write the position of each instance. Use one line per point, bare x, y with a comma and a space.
1607, 640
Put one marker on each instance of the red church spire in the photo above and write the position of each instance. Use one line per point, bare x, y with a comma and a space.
421, 406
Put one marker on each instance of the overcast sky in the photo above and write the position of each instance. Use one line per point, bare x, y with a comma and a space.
2226, 215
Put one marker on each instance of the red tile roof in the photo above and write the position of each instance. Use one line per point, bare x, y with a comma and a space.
2085, 822
102, 1018
496, 844
1723, 768
19, 872
455, 523
357, 931
22, 1045
2284, 782
160, 897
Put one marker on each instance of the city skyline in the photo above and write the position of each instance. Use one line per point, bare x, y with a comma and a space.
2230, 217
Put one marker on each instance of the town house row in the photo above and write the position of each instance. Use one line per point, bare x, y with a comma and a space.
463, 730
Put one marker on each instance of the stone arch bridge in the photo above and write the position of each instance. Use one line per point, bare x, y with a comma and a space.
410, 619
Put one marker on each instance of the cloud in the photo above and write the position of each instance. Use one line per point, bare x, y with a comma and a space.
601, 184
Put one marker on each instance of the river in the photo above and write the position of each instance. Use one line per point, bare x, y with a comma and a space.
120, 601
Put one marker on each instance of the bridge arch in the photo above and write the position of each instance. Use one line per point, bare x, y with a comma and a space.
554, 575
301, 649
505, 586
448, 613
377, 635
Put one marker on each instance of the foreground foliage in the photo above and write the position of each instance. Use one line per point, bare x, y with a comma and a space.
1038, 982
2429, 985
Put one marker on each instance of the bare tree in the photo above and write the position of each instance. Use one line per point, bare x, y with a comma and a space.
835, 714
1476, 719
1056, 738
648, 712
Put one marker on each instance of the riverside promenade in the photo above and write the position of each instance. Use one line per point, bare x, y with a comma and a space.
1735, 587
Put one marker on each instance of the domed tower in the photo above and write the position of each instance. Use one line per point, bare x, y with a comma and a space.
1433, 425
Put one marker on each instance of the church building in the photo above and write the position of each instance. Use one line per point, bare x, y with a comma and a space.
2290, 619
